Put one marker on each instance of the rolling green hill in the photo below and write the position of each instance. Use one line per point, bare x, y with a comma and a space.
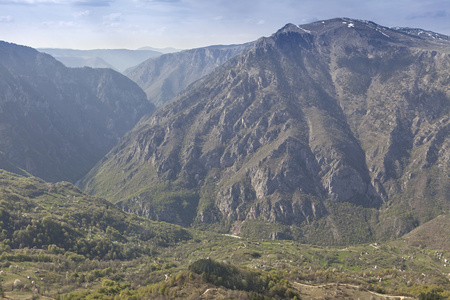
36, 214
59, 243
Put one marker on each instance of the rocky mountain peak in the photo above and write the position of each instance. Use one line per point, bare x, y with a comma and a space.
307, 126
351, 31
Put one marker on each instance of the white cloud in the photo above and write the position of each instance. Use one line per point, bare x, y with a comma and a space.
112, 20
257, 22
81, 14
66, 24
112, 25
6, 19
161, 30
115, 17
60, 24
95, 3
31, 2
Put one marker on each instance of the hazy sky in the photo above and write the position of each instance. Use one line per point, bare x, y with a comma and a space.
91, 24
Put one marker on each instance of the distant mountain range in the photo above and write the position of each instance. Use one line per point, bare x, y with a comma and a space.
332, 132
162, 50
57, 122
117, 59
163, 77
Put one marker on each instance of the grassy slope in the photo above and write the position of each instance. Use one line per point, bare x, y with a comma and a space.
42, 215
434, 234
138, 254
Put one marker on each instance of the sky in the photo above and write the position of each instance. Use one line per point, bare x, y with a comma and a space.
186, 24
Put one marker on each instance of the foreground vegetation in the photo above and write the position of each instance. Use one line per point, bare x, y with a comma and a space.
58, 243
209, 266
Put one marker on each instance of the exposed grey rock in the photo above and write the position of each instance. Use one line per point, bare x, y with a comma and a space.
316, 119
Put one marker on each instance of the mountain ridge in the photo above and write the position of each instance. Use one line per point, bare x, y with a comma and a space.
163, 77
308, 121
117, 59
57, 122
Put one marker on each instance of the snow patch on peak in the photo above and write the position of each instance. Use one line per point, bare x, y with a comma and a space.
305, 30
351, 25
383, 33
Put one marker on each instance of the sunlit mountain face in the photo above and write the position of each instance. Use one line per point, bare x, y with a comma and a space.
340, 123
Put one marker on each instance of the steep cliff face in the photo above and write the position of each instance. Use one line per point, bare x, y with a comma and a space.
341, 125
57, 122
163, 77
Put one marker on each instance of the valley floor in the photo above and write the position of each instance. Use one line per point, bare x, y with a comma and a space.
261, 269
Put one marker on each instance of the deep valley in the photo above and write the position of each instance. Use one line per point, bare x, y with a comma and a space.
310, 164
